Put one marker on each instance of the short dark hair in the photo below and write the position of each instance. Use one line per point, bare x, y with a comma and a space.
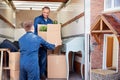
46, 7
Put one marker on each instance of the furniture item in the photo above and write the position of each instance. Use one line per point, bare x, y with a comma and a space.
74, 44
3, 57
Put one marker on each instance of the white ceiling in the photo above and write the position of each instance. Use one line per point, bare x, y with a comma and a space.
3, 5
33, 5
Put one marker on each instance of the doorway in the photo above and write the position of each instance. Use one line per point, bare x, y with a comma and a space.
110, 52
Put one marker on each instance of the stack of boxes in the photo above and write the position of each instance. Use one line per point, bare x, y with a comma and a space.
14, 61
56, 63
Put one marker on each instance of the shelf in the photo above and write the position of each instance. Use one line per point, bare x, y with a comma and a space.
4, 36
6, 68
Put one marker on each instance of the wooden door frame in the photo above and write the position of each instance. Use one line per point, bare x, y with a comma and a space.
105, 51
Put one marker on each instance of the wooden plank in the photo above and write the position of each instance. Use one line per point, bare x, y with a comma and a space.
73, 19
44, 0
6, 21
6, 68
101, 25
102, 31
95, 23
96, 38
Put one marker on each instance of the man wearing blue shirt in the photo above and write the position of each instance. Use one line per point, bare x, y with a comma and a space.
29, 46
42, 19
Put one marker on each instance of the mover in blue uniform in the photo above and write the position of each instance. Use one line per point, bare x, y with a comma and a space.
42, 19
29, 47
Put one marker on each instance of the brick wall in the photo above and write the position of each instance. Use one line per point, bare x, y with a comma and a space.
96, 56
96, 8
97, 53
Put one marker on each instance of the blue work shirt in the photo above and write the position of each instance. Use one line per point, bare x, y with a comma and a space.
41, 20
29, 47
30, 43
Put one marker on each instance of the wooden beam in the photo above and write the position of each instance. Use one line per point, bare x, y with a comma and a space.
101, 31
6, 21
109, 25
96, 38
95, 23
101, 25
44, 0
73, 19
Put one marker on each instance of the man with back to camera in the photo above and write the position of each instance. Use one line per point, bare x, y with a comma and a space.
29, 46
42, 19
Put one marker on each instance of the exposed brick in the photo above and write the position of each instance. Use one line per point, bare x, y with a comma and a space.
97, 7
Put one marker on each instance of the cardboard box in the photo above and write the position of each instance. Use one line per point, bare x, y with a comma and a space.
14, 60
53, 34
56, 66
43, 35
57, 50
54, 27
14, 75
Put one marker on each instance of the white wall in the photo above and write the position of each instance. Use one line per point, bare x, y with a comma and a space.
6, 29
70, 11
18, 33
74, 28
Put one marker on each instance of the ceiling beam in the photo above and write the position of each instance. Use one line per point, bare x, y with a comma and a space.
44, 0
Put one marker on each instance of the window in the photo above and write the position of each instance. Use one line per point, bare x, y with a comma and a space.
111, 4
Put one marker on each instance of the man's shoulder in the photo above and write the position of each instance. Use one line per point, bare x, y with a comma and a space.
39, 17
50, 20
21, 38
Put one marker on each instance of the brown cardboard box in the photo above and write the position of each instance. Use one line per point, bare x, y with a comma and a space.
14, 75
54, 27
14, 60
56, 66
53, 34
43, 35
57, 50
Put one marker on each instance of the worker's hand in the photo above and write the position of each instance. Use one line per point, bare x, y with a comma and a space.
56, 45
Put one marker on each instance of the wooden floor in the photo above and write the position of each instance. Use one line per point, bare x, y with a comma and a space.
73, 76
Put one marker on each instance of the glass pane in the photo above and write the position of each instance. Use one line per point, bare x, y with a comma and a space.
117, 3
108, 4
